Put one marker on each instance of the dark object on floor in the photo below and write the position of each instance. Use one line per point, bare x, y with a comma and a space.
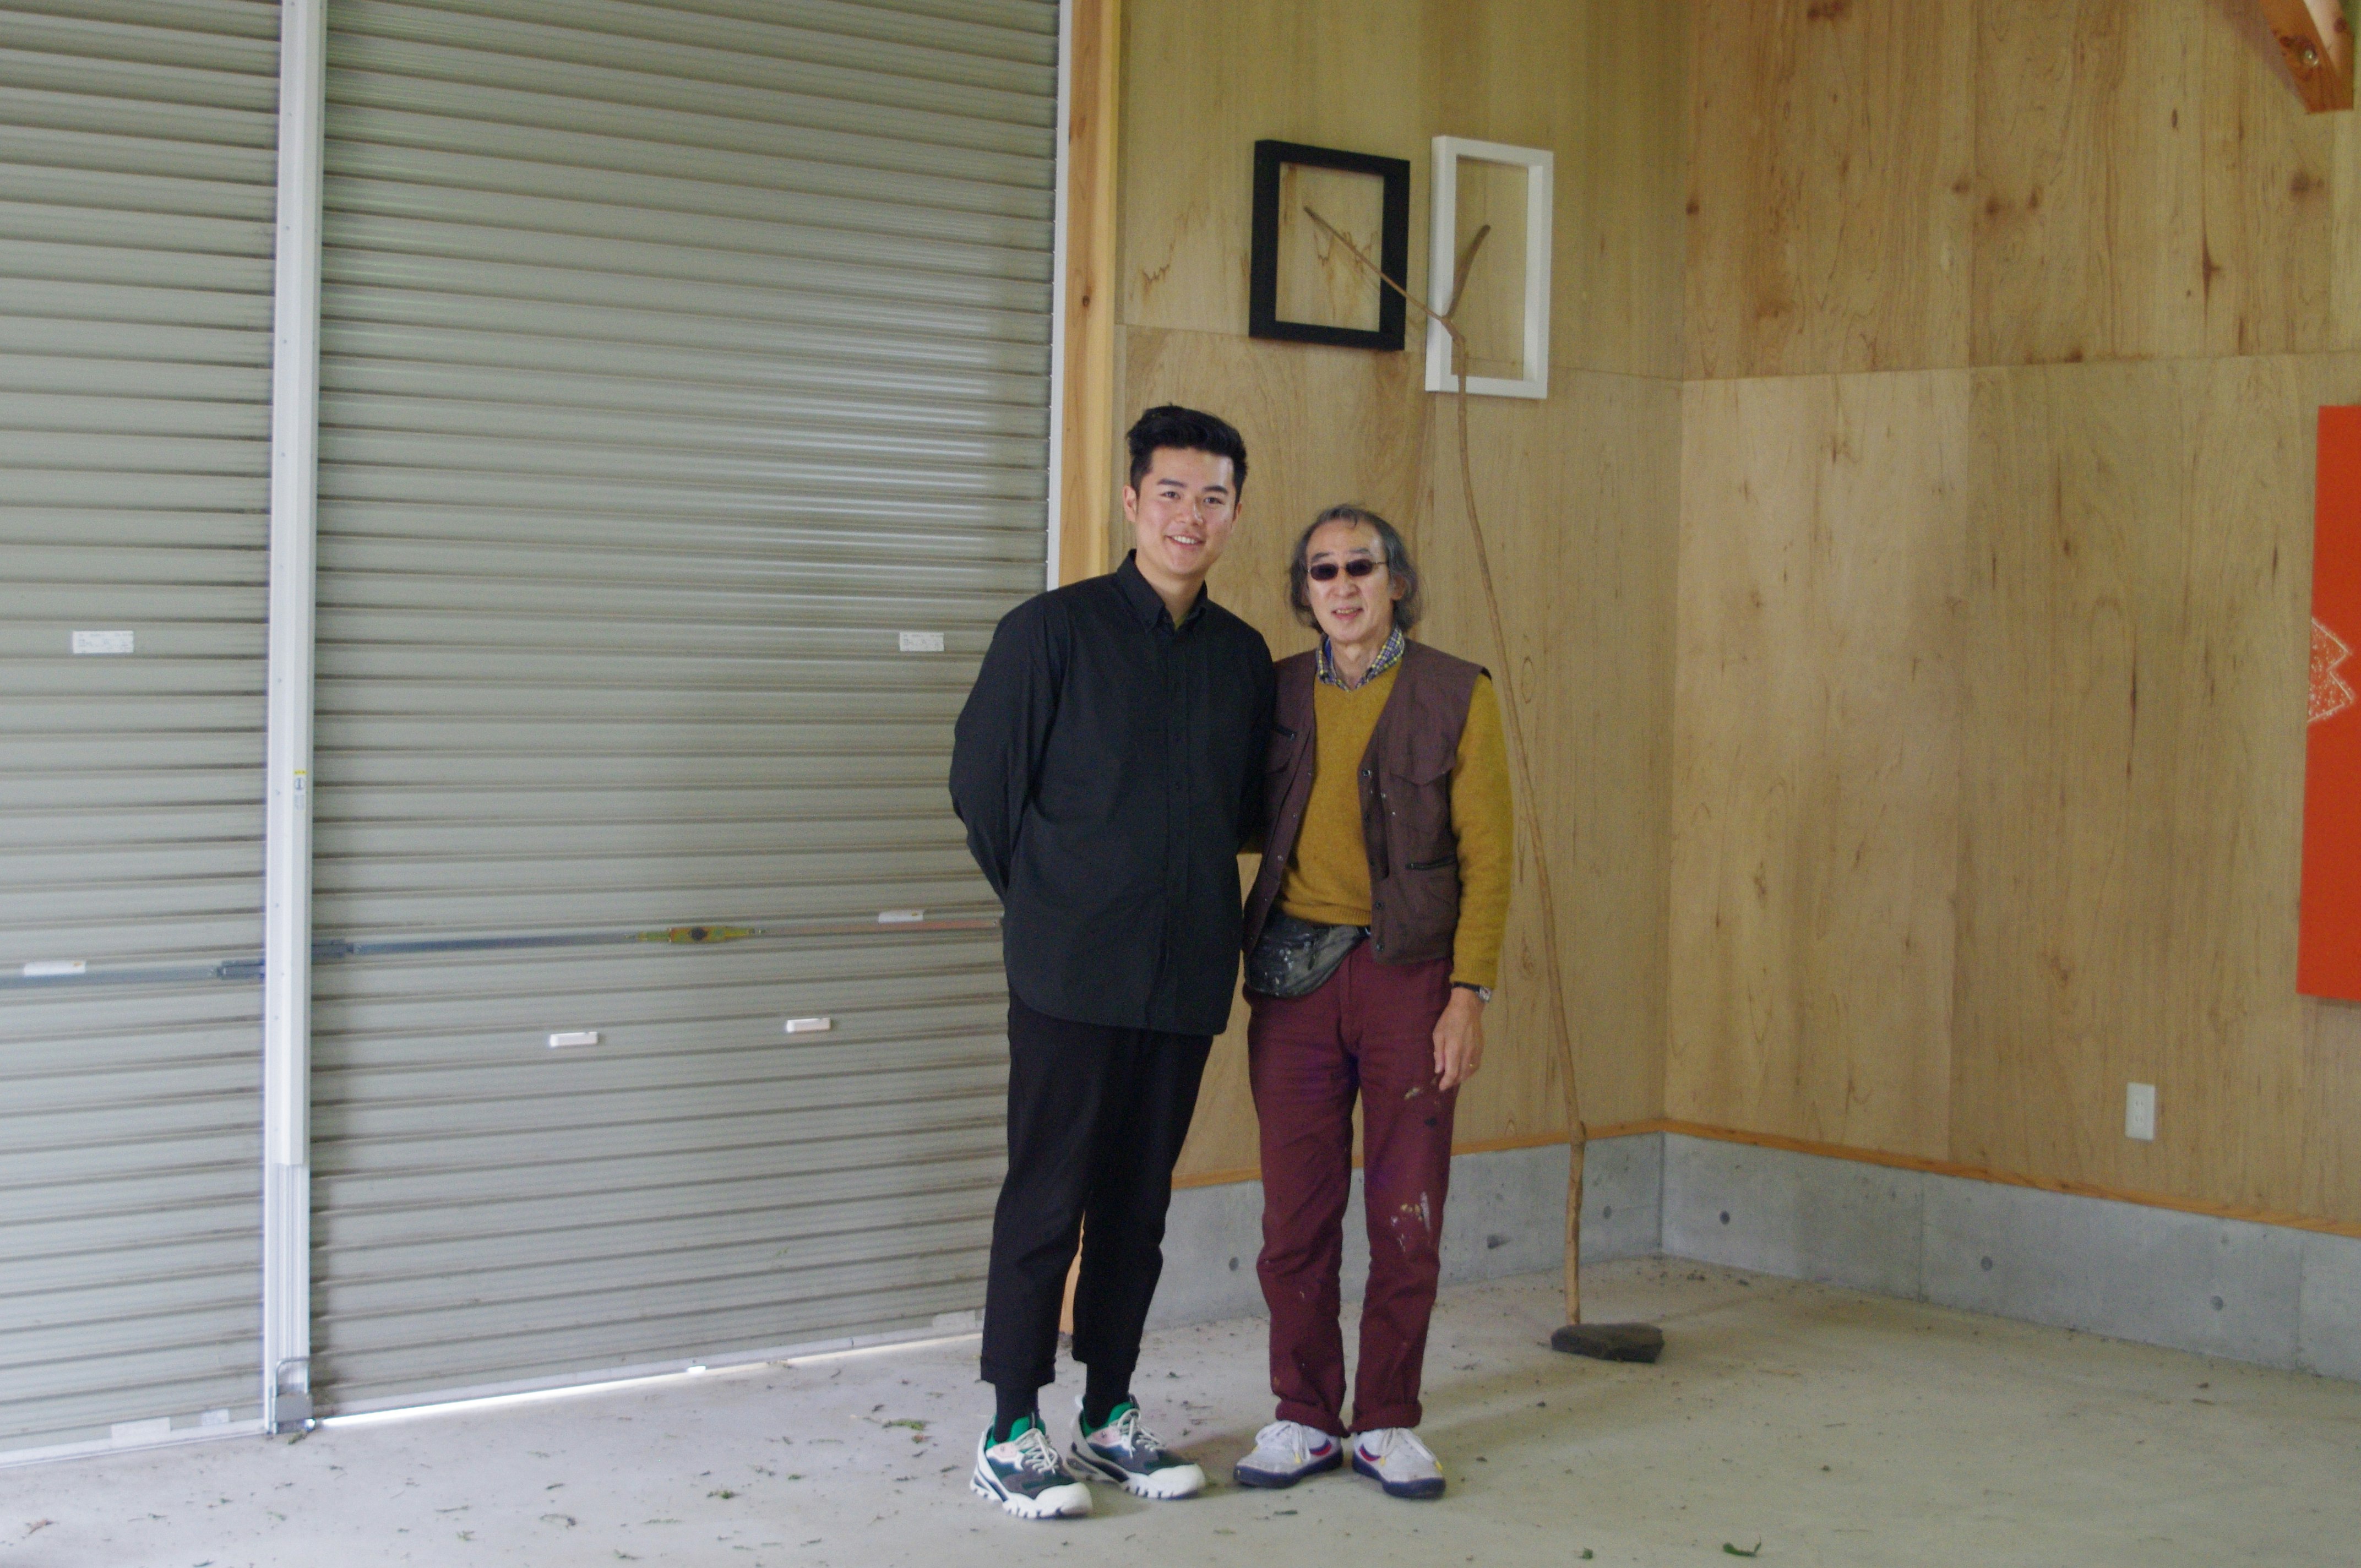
1610, 1342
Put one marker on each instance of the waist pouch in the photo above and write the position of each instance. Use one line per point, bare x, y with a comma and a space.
1294, 958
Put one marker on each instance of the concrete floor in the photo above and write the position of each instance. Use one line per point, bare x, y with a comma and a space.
1830, 1426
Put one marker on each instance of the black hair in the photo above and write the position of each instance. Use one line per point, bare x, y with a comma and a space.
1389, 542
1185, 430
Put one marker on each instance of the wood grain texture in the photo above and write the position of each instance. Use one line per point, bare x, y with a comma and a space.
1491, 310
1830, 182
1927, 183
2090, 233
2162, 292
1086, 488
1816, 756
1597, 81
1320, 281
1581, 496
2269, 215
2131, 829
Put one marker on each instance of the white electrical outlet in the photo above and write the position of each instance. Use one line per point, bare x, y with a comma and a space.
2140, 1112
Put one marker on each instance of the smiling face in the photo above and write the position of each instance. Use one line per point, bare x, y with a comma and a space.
1355, 612
1182, 513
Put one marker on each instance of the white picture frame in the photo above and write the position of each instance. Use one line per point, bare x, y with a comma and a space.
1540, 167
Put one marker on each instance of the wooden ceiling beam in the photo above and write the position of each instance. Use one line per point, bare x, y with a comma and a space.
2318, 43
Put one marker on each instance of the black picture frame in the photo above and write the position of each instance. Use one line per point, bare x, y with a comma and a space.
1262, 276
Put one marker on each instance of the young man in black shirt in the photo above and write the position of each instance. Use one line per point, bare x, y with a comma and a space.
1108, 767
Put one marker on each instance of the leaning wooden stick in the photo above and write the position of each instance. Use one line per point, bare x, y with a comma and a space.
1625, 1342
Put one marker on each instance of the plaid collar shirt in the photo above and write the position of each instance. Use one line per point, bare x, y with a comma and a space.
1387, 657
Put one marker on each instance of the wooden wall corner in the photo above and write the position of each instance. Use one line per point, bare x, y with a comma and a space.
1087, 485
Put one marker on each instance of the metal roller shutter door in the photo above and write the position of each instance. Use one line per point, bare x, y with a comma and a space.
677, 358
137, 174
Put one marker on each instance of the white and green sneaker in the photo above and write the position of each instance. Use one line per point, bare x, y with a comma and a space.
1125, 1453
1025, 1476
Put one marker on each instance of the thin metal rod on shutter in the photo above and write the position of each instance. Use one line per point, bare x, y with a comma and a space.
287, 846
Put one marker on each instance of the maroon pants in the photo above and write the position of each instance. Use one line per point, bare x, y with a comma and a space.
1367, 1031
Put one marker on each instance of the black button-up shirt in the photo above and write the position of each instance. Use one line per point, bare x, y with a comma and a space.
1108, 766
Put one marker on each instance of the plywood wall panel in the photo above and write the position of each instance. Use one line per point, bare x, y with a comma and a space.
1831, 177
1207, 79
2130, 829
2091, 231
1598, 83
1579, 502
2269, 230
1602, 83
1817, 757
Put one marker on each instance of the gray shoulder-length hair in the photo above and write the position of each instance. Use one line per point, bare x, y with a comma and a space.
1390, 541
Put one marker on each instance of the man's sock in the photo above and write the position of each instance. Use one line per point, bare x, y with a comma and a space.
1017, 1404
1107, 1388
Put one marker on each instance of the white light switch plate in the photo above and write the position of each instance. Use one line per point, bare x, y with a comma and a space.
2140, 1112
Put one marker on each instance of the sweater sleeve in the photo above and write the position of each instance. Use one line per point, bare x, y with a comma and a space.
1482, 819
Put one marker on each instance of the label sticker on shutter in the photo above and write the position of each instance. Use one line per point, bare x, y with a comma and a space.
574, 1037
110, 642
40, 967
912, 641
810, 1025
900, 916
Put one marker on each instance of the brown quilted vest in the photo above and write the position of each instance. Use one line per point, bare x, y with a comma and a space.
1405, 801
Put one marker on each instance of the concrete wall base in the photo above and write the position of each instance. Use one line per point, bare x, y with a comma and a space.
2249, 1291
2230, 1287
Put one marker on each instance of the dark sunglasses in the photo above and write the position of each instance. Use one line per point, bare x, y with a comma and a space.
1325, 571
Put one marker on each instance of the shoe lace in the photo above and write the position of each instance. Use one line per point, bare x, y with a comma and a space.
1285, 1437
1034, 1452
1400, 1438
1131, 1433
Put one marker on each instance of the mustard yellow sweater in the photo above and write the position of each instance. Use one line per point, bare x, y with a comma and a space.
1327, 877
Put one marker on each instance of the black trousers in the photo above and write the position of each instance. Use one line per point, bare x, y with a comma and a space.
1096, 1117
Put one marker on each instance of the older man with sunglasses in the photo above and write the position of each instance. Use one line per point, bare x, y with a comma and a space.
1373, 937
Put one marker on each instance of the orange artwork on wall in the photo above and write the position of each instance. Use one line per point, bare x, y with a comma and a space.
2328, 955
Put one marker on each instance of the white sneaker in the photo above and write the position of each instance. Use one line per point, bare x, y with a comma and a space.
1396, 1459
1126, 1453
1024, 1477
1285, 1453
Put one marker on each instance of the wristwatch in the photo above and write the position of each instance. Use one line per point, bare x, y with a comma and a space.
1483, 992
